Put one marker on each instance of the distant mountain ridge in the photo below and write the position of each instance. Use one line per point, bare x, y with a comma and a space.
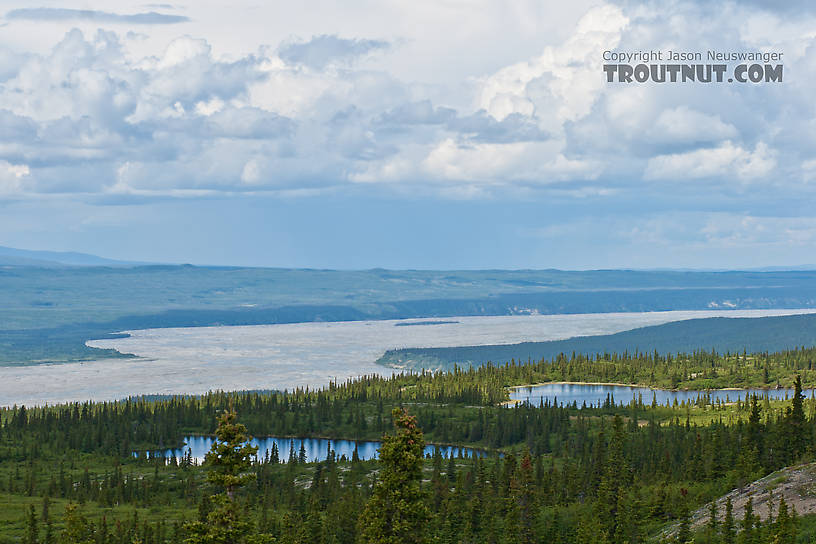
10, 256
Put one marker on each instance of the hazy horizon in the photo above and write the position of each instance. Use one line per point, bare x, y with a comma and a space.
131, 262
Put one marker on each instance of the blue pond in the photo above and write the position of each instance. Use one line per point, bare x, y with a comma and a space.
316, 448
593, 394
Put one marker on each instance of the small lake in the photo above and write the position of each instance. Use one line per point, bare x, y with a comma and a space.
593, 394
316, 448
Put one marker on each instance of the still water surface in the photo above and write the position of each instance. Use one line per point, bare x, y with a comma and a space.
594, 394
316, 448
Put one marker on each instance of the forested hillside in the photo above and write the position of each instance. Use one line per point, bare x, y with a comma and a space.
734, 335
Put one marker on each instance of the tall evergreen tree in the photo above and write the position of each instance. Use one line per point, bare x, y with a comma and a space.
614, 480
748, 521
397, 513
229, 460
796, 421
713, 524
76, 529
230, 456
32, 535
684, 532
785, 527
727, 531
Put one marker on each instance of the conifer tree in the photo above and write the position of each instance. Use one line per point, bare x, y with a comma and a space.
229, 460
727, 531
748, 521
628, 518
526, 498
614, 479
230, 455
396, 513
451, 471
684, 532
712, 524
785, 529
76, 529
796, 421
590, 531
32, 535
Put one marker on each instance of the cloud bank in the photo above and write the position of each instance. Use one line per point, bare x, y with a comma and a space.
96, 120
90, 118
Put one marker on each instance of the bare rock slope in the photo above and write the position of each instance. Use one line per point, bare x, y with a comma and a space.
796, 484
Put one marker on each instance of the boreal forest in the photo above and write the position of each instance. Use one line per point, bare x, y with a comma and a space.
617, 471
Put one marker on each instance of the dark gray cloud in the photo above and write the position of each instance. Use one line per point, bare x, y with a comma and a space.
65, 14
323, 50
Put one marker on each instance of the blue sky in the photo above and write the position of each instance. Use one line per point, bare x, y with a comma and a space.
403, 134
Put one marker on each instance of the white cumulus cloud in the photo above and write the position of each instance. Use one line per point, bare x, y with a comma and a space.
101, 112
726, 160
12, 177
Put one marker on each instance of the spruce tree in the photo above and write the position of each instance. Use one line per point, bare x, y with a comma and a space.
228, 461
684, 532
32, 535
615, 478
785, 529
756, 430
796, 421
748, 522
230, 456
76, 529
712, 521
727, 531
397, 513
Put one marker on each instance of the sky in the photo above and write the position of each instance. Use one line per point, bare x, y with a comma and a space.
436, 134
